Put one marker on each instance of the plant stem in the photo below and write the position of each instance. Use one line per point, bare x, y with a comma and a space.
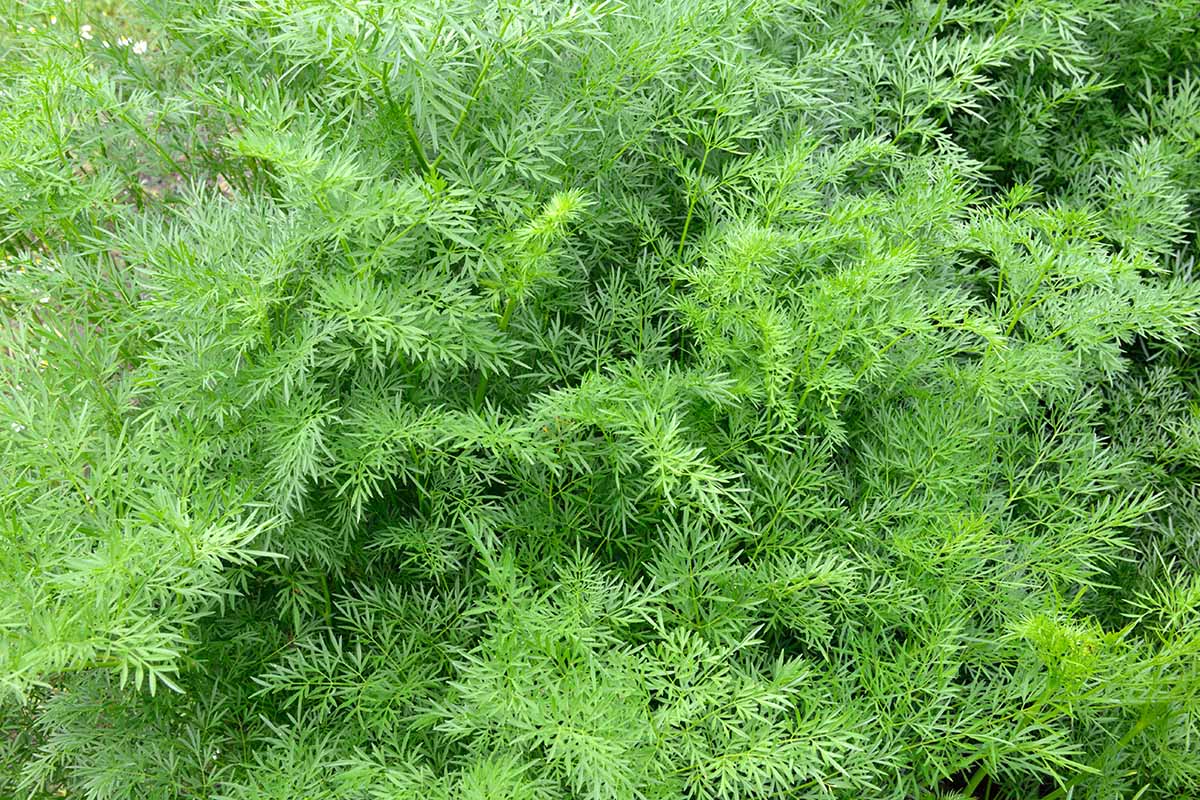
1148, 716
328, 601
693, 197
482, 385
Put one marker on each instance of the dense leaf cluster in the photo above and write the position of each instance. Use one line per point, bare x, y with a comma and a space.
533, 399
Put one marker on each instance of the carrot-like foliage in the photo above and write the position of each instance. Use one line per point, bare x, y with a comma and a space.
624, 400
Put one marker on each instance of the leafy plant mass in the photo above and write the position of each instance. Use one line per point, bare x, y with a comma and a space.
625, 400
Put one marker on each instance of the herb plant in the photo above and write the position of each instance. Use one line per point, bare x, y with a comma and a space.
613, 400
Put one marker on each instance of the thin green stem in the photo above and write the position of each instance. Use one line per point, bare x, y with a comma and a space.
1148, 717
474, 96
693, 196
482, 385
328, 600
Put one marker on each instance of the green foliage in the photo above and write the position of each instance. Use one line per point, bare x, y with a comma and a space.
630, 400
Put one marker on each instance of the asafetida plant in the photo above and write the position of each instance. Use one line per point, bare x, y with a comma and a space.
624, 400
